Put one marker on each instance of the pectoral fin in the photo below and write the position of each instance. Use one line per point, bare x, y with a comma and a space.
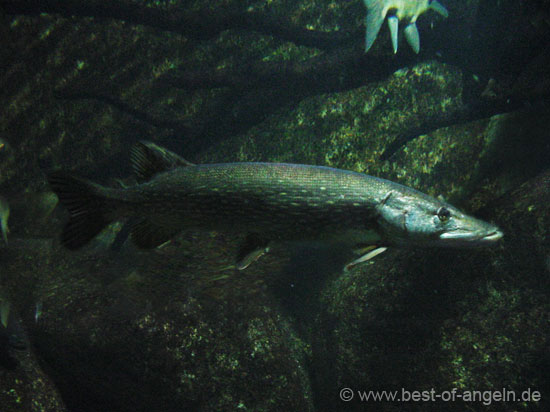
253, 248
368, 253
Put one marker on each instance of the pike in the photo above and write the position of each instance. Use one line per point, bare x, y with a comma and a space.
270, 202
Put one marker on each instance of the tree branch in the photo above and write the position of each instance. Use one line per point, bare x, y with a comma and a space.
201, 25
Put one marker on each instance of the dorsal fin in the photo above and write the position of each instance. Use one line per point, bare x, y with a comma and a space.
148, 159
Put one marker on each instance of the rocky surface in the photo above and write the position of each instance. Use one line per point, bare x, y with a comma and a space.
474, 320
24, 385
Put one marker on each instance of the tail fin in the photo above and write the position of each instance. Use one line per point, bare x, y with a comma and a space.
86, 205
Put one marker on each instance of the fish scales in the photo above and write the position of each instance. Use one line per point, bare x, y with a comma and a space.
258, 196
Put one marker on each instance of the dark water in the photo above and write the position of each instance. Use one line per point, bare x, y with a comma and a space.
114, 328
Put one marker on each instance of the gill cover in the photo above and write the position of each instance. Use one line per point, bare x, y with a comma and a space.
409, 218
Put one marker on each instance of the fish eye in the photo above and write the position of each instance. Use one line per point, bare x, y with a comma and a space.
443, 214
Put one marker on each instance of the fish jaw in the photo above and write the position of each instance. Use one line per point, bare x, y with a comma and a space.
408, 10
483, 235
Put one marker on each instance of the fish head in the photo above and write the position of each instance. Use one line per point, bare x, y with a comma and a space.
412, 218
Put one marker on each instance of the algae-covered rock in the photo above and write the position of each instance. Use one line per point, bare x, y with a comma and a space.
24, 385
468, 321
160, 331
351, 129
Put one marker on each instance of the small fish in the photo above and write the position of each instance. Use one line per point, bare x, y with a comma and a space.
270, 202
4, 215
37, 311
401, 9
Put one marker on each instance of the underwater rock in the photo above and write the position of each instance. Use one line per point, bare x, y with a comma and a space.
167, 330
350, 129
470, 320
25, 386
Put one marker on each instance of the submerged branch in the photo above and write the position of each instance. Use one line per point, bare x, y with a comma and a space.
199, 25
123, 107
336, 70
476, 110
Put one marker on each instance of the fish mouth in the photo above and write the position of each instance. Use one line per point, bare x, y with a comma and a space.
493, 236
472, 238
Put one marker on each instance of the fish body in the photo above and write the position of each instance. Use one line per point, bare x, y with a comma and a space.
405, 10
4, 215
269, 202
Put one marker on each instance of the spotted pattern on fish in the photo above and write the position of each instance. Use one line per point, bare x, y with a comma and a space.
266, 197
